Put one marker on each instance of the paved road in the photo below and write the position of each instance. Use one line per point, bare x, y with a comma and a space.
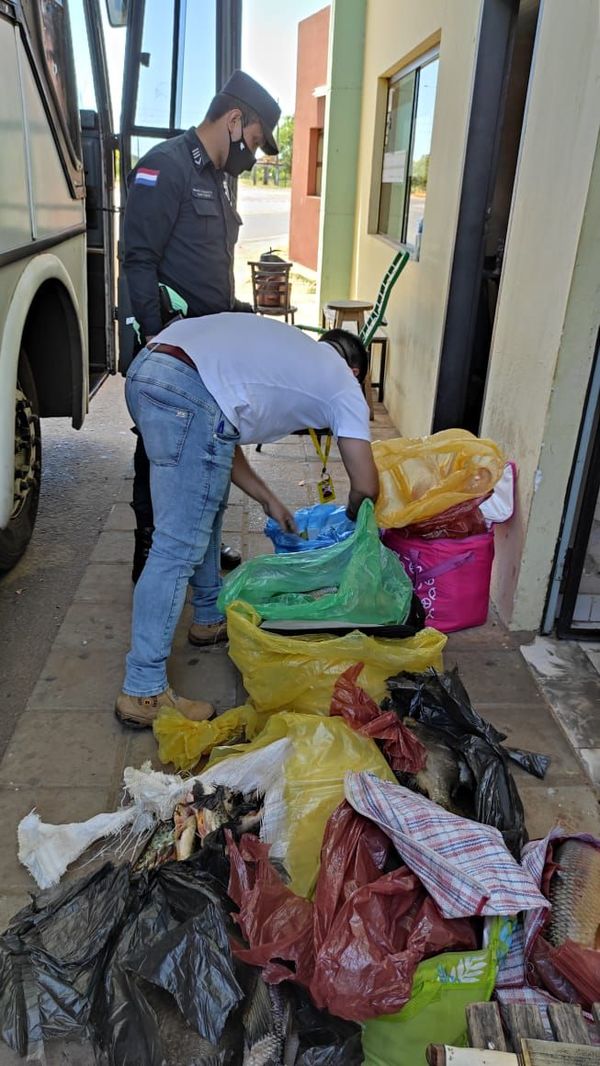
81, 473
266, 213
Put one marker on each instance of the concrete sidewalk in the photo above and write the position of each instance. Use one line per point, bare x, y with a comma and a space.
67, 754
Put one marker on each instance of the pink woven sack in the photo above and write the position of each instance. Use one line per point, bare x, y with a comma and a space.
450, 577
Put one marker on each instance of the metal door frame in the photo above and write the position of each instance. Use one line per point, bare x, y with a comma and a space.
492, 70
578, 517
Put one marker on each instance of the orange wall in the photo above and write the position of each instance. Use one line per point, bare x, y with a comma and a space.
313, 38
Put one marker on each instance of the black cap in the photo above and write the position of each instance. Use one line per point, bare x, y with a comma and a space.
246, 89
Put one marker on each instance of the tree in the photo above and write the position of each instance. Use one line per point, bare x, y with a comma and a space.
420, 172
286, 143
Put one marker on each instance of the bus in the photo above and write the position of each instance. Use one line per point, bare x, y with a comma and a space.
63, 171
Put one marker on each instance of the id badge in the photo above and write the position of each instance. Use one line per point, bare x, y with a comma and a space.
325, 489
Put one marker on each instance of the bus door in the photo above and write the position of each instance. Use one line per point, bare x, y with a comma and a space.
178, 52
97, 148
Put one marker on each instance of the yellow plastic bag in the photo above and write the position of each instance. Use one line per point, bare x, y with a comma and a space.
323, 750
183, 742
299, 673
424, 476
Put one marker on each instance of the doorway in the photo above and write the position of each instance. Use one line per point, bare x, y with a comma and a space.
507, 37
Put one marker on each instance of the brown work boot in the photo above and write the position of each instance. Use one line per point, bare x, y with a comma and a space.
204, 636
139, 712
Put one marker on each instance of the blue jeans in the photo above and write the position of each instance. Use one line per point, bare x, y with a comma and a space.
190, 445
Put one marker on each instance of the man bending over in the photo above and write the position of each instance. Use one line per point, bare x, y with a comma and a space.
202, 388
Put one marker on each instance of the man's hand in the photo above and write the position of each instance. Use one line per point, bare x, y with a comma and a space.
274, 508
249, 482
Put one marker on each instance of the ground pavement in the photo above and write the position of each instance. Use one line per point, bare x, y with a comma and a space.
68, 751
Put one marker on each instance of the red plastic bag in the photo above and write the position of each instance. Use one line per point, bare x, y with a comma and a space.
277, 924
362, 860
462, 520
404, 752
581, 967
370, 942
356, 948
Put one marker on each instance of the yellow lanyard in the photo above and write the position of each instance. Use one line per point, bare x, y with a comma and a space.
323, 455
325, 487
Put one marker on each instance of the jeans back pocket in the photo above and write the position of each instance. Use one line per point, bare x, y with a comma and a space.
164, 428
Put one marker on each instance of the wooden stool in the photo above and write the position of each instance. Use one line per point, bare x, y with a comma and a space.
342, 311
350, 314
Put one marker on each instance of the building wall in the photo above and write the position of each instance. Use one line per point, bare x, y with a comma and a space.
548, 310
313, 38
396, 32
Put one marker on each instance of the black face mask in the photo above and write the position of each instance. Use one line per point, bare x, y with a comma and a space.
240, 157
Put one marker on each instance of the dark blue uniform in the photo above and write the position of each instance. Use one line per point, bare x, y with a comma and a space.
180, 229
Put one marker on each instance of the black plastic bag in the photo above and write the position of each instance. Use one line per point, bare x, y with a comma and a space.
71, 962
324, 1040
496, 797
441, 703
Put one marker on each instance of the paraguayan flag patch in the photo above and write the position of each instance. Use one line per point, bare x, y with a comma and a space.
143, 176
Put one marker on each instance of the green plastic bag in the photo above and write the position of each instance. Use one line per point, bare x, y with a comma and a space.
443, 987
358, 581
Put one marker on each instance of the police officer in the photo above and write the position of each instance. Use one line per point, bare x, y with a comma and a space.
180, 233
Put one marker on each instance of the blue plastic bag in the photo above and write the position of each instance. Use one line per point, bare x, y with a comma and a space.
318, 527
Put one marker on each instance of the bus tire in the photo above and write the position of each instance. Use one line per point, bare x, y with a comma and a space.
28, 468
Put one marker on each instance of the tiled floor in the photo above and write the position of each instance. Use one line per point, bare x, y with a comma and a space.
567, 673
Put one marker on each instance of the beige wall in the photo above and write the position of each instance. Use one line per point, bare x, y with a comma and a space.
549, 304
397, 31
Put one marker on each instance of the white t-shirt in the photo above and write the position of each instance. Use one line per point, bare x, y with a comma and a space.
269, 378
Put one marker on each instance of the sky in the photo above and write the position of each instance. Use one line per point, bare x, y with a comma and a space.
270, 41
269, 45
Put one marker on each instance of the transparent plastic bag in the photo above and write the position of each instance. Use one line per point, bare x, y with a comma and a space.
425, 476
298, 673
358, 580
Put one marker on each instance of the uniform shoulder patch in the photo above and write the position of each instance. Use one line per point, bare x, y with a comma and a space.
144, 176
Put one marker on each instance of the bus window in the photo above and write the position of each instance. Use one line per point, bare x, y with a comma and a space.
154, 89
199, 73
55, 33
177, 78
86, 92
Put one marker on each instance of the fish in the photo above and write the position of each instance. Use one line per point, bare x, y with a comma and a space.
266, 1025
222, 806
184, 844
445, 779
160, 848
575, 895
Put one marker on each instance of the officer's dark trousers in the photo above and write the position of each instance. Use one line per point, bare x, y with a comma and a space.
142, 500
